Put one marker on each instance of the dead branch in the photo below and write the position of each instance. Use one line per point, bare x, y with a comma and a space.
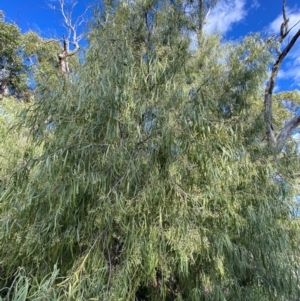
286, 131
72, 36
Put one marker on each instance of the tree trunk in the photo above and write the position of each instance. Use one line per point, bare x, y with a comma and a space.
4, 89
63, 63
63, 56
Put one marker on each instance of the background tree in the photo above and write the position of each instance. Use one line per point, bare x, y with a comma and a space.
198, 11
28, 57
72, 36
12, 67
46, 56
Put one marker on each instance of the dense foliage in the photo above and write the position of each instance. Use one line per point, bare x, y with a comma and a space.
12, 73
25, 59
155, 182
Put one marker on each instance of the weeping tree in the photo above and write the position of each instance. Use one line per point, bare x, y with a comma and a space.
155, 183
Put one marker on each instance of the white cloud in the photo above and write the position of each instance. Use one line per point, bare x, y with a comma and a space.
293, 16
281, 74
290, 73
277, 88
255, 4
274, 28
225, 15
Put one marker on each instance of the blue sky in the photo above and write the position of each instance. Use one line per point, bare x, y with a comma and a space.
36, 15
233, 18
236, 18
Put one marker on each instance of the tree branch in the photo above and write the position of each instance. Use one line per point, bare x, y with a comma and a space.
294, 122
287, 130
71, 37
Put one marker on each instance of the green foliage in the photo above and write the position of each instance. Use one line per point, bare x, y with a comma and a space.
154, 183
14, 145
280, 111
42, 55
27, 57
10, 56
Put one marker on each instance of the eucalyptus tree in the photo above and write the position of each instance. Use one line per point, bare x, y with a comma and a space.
66, 9
155, 183
12, 67
47, 56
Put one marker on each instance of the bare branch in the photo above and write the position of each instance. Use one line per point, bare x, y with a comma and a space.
292, 27
72, 7
206, 17
72, 36
287, 130
284, 26
284, 10
289, 126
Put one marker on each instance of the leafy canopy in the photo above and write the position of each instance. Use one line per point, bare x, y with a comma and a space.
155, 183
11, 63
